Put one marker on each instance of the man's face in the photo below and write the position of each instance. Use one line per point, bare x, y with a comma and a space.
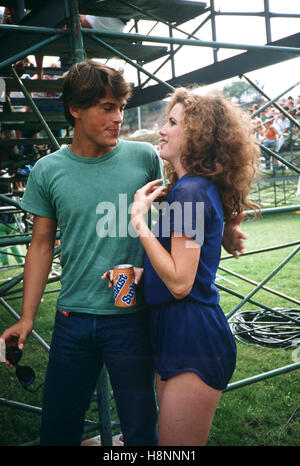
99, 126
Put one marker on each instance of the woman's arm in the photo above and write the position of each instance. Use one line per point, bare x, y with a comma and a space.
176, 269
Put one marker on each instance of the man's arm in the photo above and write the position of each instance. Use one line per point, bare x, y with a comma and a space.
233, 237
36, 271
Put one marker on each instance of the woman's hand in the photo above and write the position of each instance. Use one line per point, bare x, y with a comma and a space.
143, 199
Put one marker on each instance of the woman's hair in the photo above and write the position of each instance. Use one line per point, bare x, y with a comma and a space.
218, 144
87, 82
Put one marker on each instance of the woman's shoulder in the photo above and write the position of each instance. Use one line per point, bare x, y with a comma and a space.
195, 188
193, 183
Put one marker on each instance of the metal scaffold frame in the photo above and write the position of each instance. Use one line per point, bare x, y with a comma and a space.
141, 94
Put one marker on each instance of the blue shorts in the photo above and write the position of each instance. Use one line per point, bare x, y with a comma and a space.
189, 336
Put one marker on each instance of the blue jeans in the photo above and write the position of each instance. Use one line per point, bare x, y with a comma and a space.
81, 344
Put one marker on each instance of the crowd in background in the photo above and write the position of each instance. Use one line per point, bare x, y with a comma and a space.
272, 128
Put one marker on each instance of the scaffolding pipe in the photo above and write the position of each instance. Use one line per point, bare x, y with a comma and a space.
265, 280
103, 408
17, 317
156, 39
154, 17
29, 51
271, 102
280, 159
36, 111
193, 42
175, 51
76, 35
263, 376
275, 210
271, 248
277, 293
88, 427
259, 305
285, 113
128, 60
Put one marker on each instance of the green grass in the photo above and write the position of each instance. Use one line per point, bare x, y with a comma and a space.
257, 414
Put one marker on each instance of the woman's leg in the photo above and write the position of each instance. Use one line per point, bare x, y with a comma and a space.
187, 407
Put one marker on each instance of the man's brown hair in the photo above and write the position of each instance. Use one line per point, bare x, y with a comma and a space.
88, 81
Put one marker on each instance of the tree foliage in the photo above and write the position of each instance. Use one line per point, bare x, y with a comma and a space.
241, 91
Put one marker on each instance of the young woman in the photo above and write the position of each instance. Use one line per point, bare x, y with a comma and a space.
211, 157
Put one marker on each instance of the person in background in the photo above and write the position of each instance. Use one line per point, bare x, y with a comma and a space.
102, 23
270, 138
283, 126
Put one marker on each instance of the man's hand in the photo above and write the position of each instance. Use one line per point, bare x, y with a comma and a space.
17, 335
233, 237
138, 273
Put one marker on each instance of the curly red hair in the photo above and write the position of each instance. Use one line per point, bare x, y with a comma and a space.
219, 144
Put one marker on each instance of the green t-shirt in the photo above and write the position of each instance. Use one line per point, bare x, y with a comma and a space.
90, 199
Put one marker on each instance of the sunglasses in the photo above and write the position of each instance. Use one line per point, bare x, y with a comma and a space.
25, 374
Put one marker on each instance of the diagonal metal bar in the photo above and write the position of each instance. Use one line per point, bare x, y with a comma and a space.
128, 60
271, 102
17, 317
265, 280
29, 51
32, 29
281, 159
156, 18
248, 280
285, 113
258, 304
36, 110
177, 50
264, 376
272, 248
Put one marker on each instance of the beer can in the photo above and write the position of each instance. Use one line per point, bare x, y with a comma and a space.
124, 286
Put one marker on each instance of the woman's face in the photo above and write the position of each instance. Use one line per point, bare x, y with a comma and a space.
172, 135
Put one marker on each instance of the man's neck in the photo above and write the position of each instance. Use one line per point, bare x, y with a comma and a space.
88, 149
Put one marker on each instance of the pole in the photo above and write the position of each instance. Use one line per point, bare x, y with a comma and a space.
139, 67
264, 376
76, 35
259, 286
17, 317
28, 51
36, 110
104, 408
193, 43
286, 114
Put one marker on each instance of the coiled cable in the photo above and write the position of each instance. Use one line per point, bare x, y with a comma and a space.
267, 328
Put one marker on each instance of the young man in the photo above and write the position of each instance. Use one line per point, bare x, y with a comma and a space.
86, 190
78, 189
